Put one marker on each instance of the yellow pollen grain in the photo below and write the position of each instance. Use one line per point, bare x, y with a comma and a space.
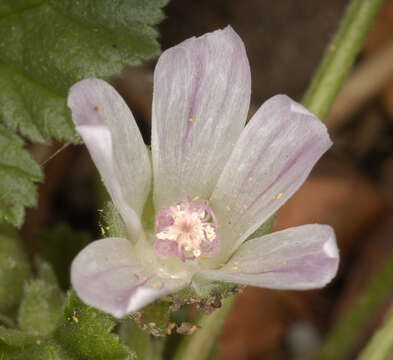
195, 198
156, 286
261, 257
234, 268
145, 278
75, 319
279, 196
191, 120
222, 265
208, 267
228, 208
119, 299
96, 108
284, 262
203, 257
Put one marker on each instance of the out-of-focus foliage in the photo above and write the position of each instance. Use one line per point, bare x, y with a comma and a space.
45, 47
58, 247
51, 326
14, 270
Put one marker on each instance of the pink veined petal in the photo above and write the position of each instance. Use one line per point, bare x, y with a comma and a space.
200, 104
274, 155
112, 137
303, 257
107, 275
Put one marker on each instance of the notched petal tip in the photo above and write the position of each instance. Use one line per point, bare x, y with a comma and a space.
330, 249
299, 110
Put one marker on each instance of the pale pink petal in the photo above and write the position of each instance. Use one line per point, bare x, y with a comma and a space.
200, 104
112, 137
304, 257
274, 155
107, 275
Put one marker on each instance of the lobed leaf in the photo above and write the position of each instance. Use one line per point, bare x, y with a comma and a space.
45, 47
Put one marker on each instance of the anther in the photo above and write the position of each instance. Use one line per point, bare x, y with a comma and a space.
187, 230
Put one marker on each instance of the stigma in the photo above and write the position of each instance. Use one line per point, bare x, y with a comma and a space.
187, 230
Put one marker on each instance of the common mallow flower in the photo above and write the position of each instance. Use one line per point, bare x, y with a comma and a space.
214, 182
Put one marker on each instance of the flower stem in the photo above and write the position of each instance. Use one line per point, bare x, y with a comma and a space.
198, 346
381, 345
346, 334
340, 55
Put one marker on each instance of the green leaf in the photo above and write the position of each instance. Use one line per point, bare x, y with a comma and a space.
58, 247
86, 332
41, 308
45, 47
17, 338
265, 228
41, 350
6, 321
14, 269
18, 173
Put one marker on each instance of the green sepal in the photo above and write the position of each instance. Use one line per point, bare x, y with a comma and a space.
15, 269
145, 345
111, 223
154, 318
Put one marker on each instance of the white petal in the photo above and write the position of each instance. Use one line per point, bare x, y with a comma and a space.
107, 275
304, 257
274, 155
200, 104
112, 137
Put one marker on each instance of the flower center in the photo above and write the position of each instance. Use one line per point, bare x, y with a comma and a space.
187, 230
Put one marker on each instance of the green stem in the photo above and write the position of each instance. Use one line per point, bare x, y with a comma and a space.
348, 331
381, 345
340, 55
198, 346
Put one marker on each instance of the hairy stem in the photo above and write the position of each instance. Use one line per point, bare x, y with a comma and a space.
381, 344
340, 55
